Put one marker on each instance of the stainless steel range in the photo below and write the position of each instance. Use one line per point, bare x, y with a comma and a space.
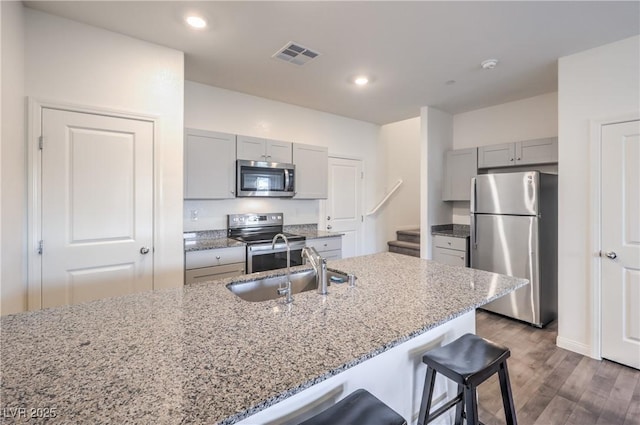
257, 231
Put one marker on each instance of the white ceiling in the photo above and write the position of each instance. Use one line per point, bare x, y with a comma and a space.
410, 48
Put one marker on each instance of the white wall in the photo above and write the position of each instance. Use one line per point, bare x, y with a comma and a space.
597, 84
436, 138
525, 119
12, 154
212, 108
65, 61
400, 144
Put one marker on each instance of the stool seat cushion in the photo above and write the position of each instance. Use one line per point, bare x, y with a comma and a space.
468, 360
358, 408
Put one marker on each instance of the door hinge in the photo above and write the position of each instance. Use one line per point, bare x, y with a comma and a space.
362, 218
361, 174
40, 142
40, 247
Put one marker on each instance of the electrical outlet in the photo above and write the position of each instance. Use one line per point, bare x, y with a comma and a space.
194, 215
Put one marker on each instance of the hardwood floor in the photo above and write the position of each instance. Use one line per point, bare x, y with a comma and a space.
552, 386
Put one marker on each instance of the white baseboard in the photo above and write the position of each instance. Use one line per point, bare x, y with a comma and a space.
576, 347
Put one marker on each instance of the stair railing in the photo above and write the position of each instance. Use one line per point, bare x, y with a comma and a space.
386, 198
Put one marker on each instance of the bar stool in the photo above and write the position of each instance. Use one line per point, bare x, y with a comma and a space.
358, 408
468, 361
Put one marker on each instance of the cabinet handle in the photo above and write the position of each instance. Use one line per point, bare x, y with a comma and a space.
511, 159
217, 257
233, 192
518, 159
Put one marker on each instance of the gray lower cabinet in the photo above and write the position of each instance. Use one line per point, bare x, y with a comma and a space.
209, 164
212, 264
329, 248
460, 166
537, 151
451, 250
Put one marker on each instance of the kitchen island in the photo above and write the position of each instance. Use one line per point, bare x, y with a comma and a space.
200, 354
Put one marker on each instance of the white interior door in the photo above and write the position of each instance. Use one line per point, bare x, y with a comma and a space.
620, 279
97, 206
344, 203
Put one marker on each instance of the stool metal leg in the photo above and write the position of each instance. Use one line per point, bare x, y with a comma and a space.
507, 398
460, 406
471, 405
427, 394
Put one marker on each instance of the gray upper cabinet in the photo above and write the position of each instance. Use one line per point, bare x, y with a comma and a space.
460, 167
209, 164
497, 155
312, 165
538, 151
259, 149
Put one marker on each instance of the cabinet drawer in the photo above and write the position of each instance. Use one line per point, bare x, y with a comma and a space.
332, 255
450, 256
325, 244
214, 257
450, 242
212, 273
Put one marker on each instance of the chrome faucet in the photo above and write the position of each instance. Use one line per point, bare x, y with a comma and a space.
319, 265
285, 291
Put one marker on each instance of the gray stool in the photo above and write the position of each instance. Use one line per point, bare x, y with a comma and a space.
468, 361
358, 408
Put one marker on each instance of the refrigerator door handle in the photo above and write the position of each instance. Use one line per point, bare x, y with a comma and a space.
472, 208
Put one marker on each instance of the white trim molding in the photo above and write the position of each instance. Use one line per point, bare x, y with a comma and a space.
576, 347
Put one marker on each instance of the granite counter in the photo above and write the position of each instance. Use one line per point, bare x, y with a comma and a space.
199, 354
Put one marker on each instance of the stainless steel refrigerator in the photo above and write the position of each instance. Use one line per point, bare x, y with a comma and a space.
514, 231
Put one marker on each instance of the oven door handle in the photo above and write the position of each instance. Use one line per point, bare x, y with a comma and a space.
280, 247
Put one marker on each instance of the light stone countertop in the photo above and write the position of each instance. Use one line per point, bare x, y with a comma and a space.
199, 354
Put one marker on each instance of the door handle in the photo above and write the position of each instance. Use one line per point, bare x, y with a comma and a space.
611, 255
144, 250
328, 217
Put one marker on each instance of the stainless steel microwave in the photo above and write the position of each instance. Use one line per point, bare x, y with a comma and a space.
265, 179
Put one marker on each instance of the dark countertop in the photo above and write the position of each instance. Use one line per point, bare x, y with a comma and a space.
452, 230
199, 354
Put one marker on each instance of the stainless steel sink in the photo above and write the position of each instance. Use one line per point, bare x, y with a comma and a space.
267, 288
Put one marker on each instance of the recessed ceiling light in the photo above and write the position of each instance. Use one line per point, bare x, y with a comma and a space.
489, 63
196, 22
361, 81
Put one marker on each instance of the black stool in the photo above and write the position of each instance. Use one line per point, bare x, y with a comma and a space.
468, 361
358, 408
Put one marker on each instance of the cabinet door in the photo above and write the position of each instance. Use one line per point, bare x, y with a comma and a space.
460, 167
312, 165
209, 165
496, 155
251, 148
538, 151
278, 151
450, 256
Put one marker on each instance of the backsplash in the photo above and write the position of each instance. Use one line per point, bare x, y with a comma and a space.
212, 214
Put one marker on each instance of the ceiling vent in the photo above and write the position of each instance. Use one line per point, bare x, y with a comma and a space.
295, 53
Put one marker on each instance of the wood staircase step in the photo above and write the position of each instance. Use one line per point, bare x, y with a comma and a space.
412, 235
403, 247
